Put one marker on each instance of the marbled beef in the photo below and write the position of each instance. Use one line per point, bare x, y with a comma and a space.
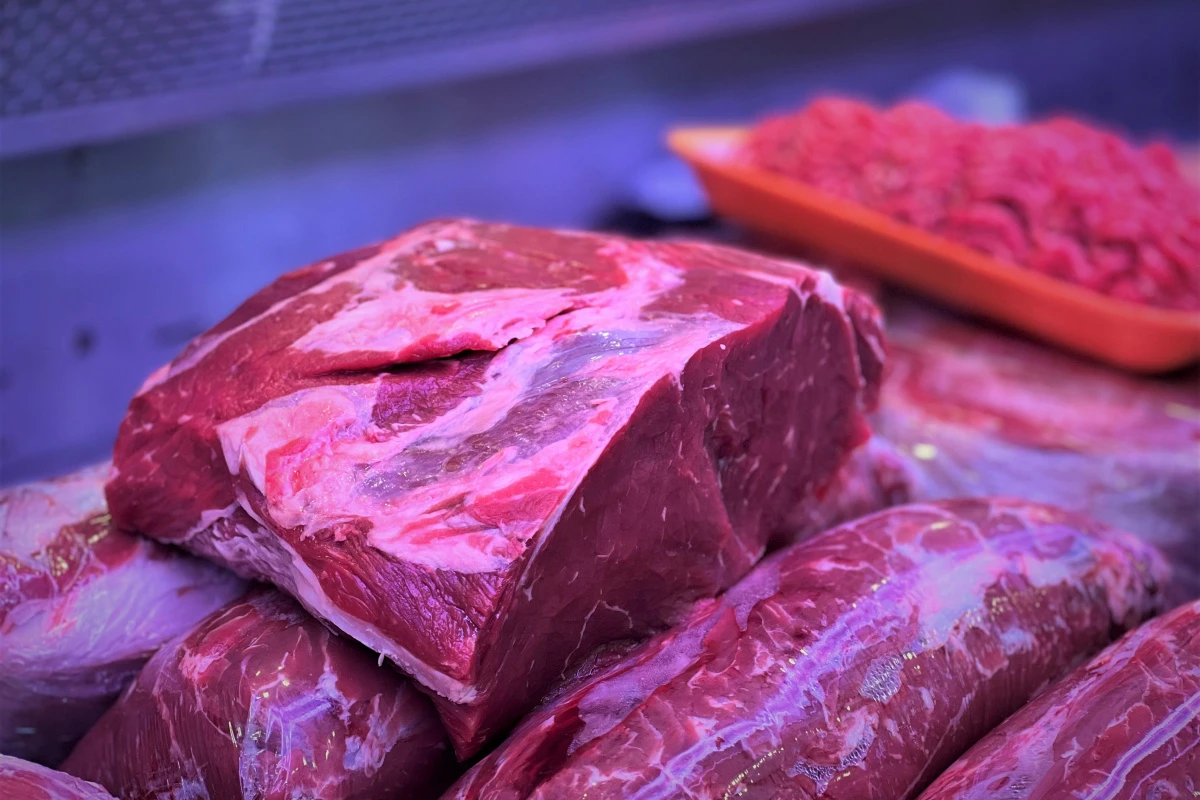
856, 665
484, 450
82, 606
261, 701
1125, 726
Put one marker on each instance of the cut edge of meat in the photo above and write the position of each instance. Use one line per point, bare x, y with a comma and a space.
241, 528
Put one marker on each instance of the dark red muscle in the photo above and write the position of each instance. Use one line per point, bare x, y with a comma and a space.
484, 450
1125, 726
262, 701
24, 780
858, 664
83, 605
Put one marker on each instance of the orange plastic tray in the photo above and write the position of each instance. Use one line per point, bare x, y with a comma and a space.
1127, 335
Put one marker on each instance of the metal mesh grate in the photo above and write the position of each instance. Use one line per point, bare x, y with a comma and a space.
81, 71
57, 54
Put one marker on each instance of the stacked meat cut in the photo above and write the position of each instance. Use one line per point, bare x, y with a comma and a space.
25, 780
1061, 198
483, 450
576, 484
261, 700
83, 605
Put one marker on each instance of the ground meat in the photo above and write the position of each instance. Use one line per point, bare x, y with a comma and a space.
1058, 197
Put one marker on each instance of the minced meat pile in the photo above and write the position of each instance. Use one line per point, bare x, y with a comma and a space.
1059, 197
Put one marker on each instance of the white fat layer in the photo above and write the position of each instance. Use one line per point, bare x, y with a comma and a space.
829, 289
398, 322
319, 459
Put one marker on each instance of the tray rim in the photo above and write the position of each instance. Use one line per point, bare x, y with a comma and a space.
698, 146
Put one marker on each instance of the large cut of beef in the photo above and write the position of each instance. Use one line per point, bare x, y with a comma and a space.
855, 665
82, 606
1060, 197
24, 780
485, 450
262, 701
1125, 726
976, 412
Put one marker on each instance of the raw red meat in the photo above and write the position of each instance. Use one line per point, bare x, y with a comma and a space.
82, 606
1061, 198
24, 780
876, 477
262, 701
980, 413
1125, 726
858, 664
485, 450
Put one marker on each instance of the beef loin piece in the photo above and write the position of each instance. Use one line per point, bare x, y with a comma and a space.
980, 413
262, 701
485, 450
24, 780
82, 606
1125, 726
857, 664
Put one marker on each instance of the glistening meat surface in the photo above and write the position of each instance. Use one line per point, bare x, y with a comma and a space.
981, 413
262, 701
876, 477
1060, 197
82, 606
484, 450
24, 780
858, 664
1125, 726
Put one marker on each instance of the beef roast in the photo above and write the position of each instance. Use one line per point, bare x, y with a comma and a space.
82, 606
977, 412
856, 665
262, 701
24, 780
1125, 726
484, 450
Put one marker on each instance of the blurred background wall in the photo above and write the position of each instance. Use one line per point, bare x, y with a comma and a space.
162, 160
